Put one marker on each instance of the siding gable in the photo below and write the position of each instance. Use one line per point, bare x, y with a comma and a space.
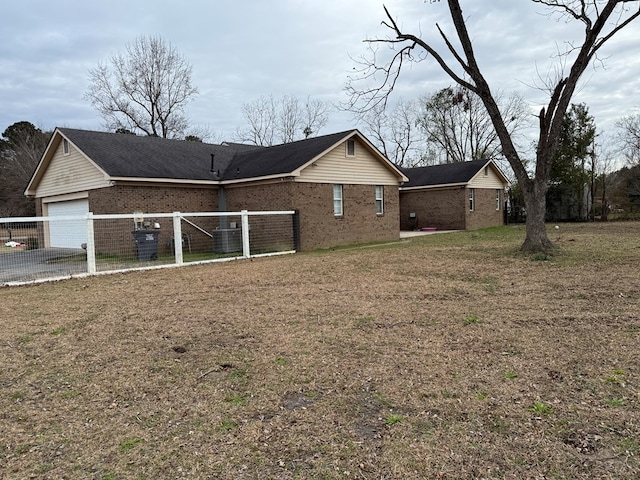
69, 173
491, 180
336, 167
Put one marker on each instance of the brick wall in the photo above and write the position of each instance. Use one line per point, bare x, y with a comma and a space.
443, 209
267, 196
111, 235
484, 213
320, 228
266, 233
161, 198
448, 209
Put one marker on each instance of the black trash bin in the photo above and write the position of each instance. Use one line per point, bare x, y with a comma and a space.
146, 242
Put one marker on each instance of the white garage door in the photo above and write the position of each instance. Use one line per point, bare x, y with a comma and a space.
68, 233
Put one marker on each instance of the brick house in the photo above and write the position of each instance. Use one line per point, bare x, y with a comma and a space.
454, 196
345, 190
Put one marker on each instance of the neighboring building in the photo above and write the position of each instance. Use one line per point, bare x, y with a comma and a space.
454, 196
345, 190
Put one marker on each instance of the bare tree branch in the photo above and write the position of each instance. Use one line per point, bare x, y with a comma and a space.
144, 90
270, 121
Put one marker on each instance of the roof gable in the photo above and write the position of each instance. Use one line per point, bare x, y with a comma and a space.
460, 173
281, 159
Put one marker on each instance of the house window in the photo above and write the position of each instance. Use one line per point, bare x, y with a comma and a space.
65, 146
472, 192
486, 171
497, 199
337, 200
351, 148
379, 199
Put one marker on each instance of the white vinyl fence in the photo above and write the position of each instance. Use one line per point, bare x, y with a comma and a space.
35, 249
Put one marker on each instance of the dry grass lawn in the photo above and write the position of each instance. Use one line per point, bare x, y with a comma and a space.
449, 356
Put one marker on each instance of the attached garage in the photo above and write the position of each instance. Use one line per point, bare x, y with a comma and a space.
109, 173
67, 233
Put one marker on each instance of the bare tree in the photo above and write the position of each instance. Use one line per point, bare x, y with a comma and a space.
602, 165
458, 127
145, 89
601, 21
629, 137
270, 121
396, 133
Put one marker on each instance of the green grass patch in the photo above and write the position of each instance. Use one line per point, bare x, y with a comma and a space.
227, 425
471, 320
541, 408
129, 444
393, 418
59, 331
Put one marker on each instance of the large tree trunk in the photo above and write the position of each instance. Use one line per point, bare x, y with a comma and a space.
535, 200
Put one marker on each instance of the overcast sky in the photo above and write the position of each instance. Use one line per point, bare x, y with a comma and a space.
243, 49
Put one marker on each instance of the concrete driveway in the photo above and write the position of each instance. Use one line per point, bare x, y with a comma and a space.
29, 265
420, 233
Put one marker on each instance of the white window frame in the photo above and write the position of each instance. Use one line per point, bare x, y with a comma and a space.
351, 142
472, 199
379, 199
65, 146
338, 202
498, 202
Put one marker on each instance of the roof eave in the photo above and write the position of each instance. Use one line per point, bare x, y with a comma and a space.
178, 181
45, 158
439, 185
274, 176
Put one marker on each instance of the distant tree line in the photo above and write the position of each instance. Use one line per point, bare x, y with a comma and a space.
21, 147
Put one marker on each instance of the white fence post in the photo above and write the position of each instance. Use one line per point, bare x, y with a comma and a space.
177, 238
246, 248
91, 246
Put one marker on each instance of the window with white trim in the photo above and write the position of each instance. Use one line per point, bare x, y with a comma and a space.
351, 148
472, 194
379, 199
337, 200
498, 199
65, 146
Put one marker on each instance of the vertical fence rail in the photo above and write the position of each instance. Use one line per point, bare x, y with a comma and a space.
91, 246
30, 253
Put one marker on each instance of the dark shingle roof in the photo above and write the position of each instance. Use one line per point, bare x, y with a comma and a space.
446, 174
122, 155
280, 159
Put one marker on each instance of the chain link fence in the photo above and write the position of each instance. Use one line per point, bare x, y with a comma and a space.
37, 249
